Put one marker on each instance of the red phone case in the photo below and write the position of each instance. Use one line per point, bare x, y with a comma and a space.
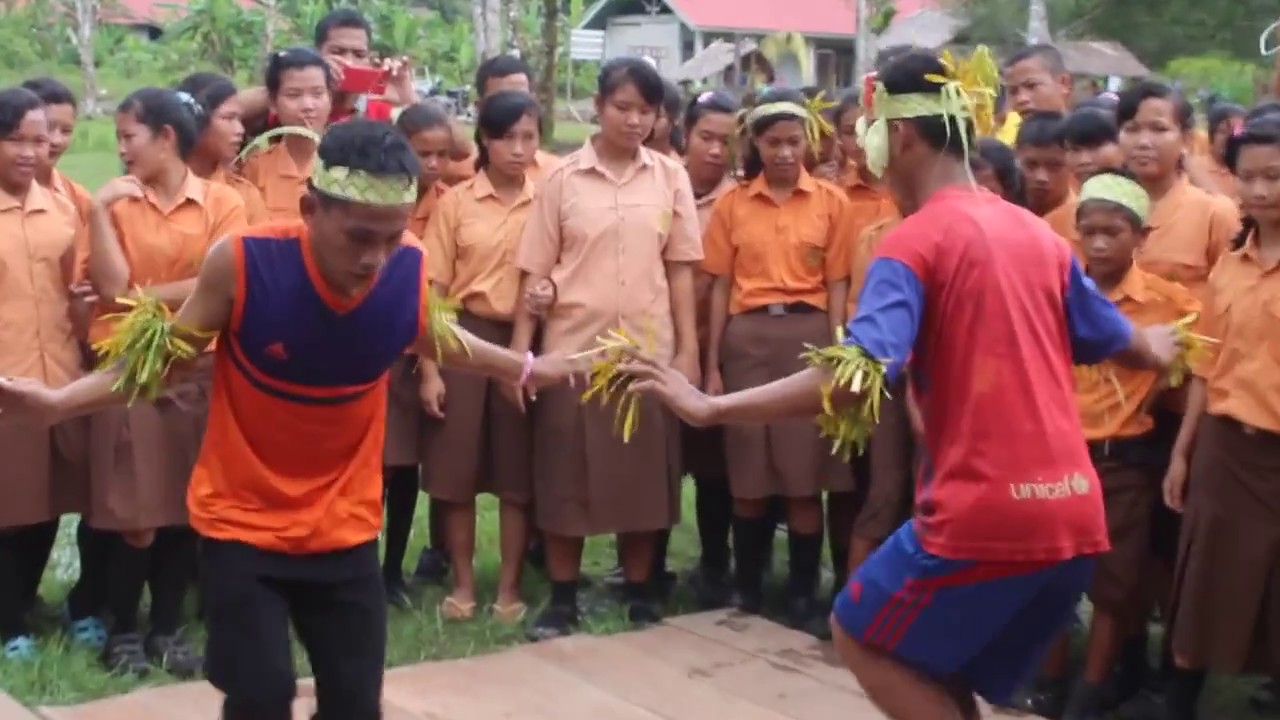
359, 80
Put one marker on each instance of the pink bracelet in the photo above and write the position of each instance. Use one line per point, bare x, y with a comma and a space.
527, 370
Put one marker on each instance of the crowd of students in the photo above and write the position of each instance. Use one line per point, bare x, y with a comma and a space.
717, 234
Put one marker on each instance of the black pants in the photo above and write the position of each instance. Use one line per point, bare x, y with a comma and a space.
337, 605
24, 552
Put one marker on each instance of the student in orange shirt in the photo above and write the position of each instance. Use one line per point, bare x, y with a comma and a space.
710, 134
1115, 410
781, 262
310, 315
1036, 80
149, 232
1224, 616
1046, 176
614, 229
427, 127
61, 109
1093, 142
44, 467
481, 441
1224, 120
300, 88
221, 136
995, 167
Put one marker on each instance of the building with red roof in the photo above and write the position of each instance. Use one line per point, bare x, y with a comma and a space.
674, 31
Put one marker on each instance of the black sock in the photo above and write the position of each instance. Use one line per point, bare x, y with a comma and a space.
565, 594
661, 545
1182, 692
39, 547
1085, 701
750, 535
12, 603
88, 598
169, 575
806, 557
128, 577
435, 526
633, 592
714, 511
400, 496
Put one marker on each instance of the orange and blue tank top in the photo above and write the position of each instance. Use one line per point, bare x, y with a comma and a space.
292, 457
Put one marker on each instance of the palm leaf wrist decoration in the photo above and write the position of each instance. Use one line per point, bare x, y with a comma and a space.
144, 344
849, 428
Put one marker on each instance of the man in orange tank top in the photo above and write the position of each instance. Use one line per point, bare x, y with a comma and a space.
287, 492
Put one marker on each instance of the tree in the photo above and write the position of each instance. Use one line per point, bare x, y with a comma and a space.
1038, 23
84, 17
486, 20
550, 55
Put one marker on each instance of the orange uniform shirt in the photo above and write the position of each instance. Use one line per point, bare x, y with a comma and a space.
604, 240
778, 253
82, 200
1242, 310
37, 250
292, 457
863, 252
280, 180
426, 206
460, 170
1224, 182
1190, 230
471, 242
166, 244
1112, 398
255, 210
704, 281
1063, 221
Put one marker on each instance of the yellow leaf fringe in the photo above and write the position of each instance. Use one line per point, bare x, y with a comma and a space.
851, 368
1191, 349
144, 345
607, 384
442, 323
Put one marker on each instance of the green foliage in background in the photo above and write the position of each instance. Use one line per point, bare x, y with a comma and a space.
1233, 79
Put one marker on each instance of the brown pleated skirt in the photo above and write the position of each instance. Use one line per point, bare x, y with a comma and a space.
1120, 580
405, 417
46, 472
142, 455
1225, 612
587, 481
889, 474
786, 457
484, 443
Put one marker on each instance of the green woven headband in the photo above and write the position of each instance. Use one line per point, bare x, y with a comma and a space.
1119, 190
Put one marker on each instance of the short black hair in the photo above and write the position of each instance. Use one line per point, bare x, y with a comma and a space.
50, 91
500, 66
422, 115
710, 102
1264, 130
1099, 103
907, 75
672, 104
999, 158
1047, 54
1089, 128
297, 58
752, 164
338, 19
370, 146
621, 71
210, 91
158, 108
1132, 98
1221, 112
1129, 214
893, 52
1041, 130
1263, 109
15, 104
851, 100
498, 114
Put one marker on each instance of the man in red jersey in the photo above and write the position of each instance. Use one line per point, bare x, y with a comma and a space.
993, 310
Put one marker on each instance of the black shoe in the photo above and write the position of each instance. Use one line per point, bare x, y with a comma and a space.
805, 614
398, 593
174, 655
1047, 699
643, 614
433, 567
1265, 700
555, 621
663, 583
1085, 702
711, 588
124, 654
748, 600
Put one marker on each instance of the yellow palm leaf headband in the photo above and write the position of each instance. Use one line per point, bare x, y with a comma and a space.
966, 92
345, 183
816, 125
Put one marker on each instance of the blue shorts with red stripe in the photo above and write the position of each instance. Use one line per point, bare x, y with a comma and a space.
983, 625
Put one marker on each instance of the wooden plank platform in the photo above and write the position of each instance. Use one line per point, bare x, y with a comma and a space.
690, 668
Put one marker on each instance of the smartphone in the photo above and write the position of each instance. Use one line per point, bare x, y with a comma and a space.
360, 80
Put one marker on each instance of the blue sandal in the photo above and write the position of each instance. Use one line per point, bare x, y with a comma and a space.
21, 649
88, 632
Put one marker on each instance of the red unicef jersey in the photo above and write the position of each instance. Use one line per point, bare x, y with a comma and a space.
1007, 475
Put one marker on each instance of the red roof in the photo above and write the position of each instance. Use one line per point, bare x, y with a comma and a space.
149, 12
807, 17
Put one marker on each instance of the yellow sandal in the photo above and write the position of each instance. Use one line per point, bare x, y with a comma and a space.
453, 609
512, 614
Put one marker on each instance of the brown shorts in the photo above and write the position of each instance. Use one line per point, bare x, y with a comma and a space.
1119, 582
888, 472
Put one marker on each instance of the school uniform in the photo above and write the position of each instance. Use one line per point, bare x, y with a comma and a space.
780, 259
883, 473
1125, 451
280, 179
458, 171
604, 241
1063, 221
255, 210
45, 470
1225, 616
1190, 230
483, 443
1220, 176
290, 529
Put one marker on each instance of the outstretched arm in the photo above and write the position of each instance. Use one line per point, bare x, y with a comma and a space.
1099, 331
